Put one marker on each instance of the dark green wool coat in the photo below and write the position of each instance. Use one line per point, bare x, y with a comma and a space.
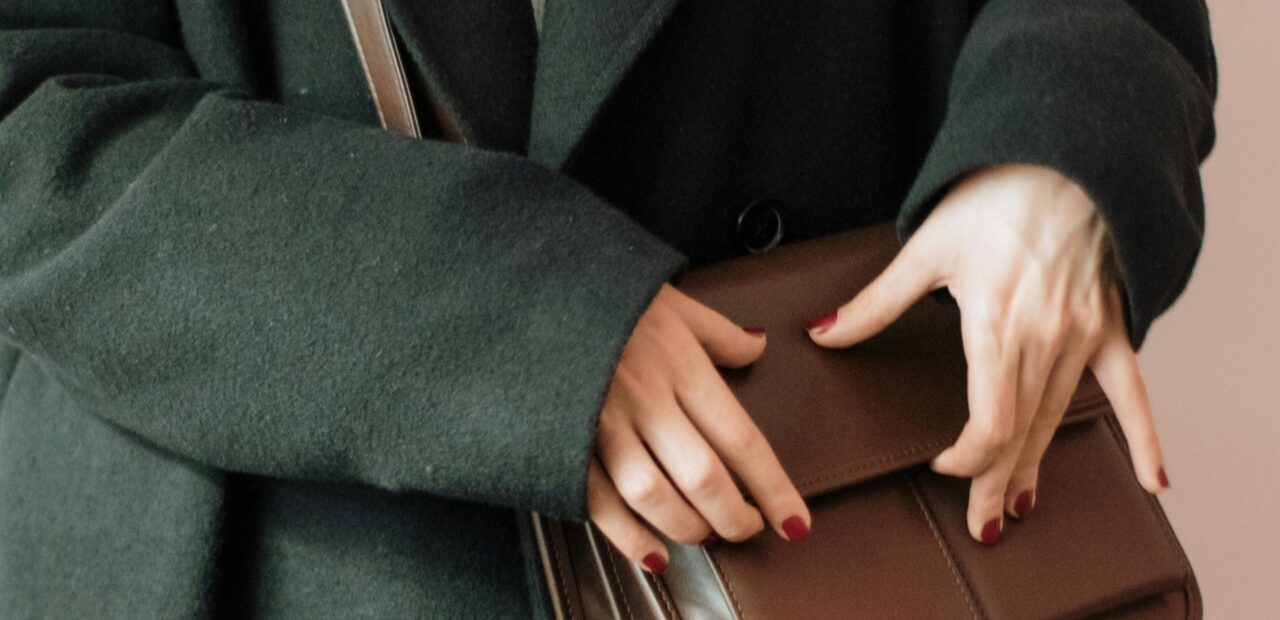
259, 358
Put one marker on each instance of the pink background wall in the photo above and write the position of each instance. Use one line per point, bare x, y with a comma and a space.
1212, 362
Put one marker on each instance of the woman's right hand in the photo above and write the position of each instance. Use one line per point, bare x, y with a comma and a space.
670, 433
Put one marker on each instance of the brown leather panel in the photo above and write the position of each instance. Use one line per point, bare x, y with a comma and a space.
1160, 607
836, 418
1091, 543
871, 554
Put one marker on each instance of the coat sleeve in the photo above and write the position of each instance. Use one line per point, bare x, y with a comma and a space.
266, 290
1117, 96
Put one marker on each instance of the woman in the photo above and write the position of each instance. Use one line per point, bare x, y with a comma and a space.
265, 359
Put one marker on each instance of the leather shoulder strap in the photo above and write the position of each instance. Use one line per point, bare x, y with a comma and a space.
384, 69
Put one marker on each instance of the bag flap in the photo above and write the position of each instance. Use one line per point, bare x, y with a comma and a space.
840, 417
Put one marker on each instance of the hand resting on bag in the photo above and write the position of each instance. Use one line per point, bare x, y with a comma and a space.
1025, 253
670, 433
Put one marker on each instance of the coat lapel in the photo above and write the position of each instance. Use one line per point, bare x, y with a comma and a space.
587, 47
477, 58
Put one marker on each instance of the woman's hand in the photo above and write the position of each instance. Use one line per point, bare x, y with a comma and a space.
670, 433
1025, 254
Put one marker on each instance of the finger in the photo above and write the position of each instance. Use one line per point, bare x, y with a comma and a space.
1063, 380
1116, 367
728, 344
699, 474
719, 416
611, 516
992, 395
988, 490
645, 487
907, 278
986, 498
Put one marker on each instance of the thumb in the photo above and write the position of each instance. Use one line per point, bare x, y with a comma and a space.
879, 304
726, 343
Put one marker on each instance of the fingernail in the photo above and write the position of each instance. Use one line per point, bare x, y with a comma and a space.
822, 324
1164, 479
991, 532
795, 528
754, 331
1023, 504
655, 563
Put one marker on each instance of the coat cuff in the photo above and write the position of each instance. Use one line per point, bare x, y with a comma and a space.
1089, 89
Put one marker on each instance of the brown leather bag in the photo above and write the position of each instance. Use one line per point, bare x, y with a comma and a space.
854, 429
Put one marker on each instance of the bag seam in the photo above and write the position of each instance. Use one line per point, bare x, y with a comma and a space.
728, 586
962, 580
563, 580
668, 607
1194, 609
807, 484
617, 579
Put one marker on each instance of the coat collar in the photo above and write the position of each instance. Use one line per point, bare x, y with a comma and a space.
479, 56
587, 48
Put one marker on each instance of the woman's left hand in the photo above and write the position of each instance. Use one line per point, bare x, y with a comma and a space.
1025, 253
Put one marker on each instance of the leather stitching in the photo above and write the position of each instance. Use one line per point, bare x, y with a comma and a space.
807, 485
728, 586
564, 581
668, 607
962, 582
865, 465
613, 568
1193, 601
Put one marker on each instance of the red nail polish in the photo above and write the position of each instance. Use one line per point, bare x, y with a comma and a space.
822, 324
1022, 505
991, 532
795, 528
1164, 479
655, 563
754, 331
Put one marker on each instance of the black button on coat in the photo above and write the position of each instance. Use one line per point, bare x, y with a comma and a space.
260, 358
760, 226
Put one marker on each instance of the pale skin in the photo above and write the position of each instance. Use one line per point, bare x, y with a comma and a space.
1024, 252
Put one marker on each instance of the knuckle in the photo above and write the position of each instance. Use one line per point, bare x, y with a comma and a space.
987, 321
1091, 324
741, 529
743, 439
700, 477
1052, 329
692, 385
992, 316
995, 435
641, 489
